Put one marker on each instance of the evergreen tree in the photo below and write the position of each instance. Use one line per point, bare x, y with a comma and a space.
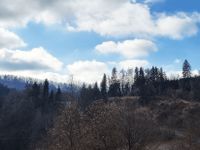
96, 92
46, 89
45, 96
186, 69
83, 96
51, 97
114, 75
104, 87
114, 89
86, 96
161, 81
35, 92
58, 95
141, 77
136, 76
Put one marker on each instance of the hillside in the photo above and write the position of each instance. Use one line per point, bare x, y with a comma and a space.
164, 124
140, 111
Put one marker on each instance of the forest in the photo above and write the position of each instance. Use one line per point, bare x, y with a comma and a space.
134, 109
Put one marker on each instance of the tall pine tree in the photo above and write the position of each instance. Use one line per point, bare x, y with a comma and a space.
104, 87
186, 69
114, 89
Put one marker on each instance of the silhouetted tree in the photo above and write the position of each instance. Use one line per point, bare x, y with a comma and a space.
104, 87
46, 89
45, 96
35, 94
96, 92
58, 95
136, 77
114, 89
186, 69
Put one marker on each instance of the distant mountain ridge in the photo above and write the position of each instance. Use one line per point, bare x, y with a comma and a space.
20, 83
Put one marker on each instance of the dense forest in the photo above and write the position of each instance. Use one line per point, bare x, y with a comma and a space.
136, 109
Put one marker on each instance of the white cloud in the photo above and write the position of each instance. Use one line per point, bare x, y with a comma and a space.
132, 19
10, 40
105, 17
35, 59
128, 64
129, 48
88, 71
177, 26
115, 19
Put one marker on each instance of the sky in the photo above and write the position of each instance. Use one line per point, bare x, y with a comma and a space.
58, 39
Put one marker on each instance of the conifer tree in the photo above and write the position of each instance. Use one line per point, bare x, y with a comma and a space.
136, 76
141, 77
96, 92
46, 89
104, 87
186, 69
35, 92
58, 95
45, 96
51, 96
114, 89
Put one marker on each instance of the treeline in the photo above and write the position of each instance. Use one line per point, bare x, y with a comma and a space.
15, 82
85, 114
26, 116
130, 110
145, 83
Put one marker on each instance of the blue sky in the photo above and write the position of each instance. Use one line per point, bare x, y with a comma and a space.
59, 38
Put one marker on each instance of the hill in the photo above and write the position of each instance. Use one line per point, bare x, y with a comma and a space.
123, 123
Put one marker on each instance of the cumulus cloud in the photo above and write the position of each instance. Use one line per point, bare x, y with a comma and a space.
129, 48
177, 26
136, 20
10, 40
88, 71
35, 59
20, 12
105, 17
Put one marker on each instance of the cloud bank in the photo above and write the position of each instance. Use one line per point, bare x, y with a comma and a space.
108, 18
